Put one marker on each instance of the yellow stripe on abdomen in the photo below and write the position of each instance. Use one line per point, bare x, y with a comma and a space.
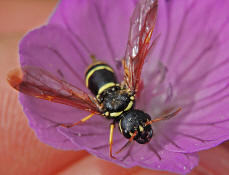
91, 72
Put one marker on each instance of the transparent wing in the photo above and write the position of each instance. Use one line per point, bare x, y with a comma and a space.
139, 43
40, 83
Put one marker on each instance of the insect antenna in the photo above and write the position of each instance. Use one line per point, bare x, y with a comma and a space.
164, 117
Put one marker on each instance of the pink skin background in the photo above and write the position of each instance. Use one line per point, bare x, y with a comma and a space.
20, 150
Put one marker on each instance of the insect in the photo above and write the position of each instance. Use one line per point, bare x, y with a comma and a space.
112, 100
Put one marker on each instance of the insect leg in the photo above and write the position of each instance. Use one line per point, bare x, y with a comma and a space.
81, 121
112, 125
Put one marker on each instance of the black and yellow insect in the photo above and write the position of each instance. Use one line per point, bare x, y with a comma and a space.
113, 100
117, 103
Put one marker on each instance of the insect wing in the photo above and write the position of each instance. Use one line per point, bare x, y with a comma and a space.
40, 83
139, 42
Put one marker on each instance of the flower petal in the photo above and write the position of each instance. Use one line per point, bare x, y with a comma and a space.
189, 37
57, 49
193, 49
63, 53
52, 49
100, 27
95, 139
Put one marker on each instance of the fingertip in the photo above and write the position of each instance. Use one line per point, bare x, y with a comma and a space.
20, 147
213, 161
91, 165
87, 165
143, 171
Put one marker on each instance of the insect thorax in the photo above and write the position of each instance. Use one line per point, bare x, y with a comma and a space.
101, 80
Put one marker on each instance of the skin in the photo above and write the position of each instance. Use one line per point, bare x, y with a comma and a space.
21, 152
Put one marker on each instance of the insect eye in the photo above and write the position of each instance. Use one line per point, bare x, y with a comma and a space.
126, 134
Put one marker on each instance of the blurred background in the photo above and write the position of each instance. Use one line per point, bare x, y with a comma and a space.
21, 153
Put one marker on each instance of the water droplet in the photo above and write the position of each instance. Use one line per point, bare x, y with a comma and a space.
158, 166
79, 134
185, 167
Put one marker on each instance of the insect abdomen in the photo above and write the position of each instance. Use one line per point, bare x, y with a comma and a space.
99, 76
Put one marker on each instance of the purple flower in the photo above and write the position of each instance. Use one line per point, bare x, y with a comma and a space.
188, 68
